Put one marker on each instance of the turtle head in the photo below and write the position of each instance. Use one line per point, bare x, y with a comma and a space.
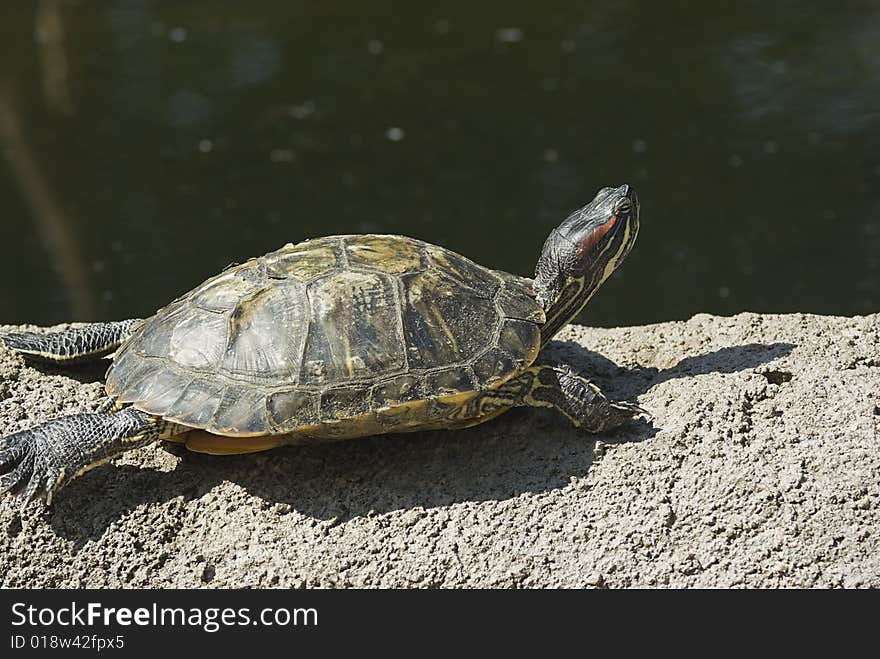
583, 251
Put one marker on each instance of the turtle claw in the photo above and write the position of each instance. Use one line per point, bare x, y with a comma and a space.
30, 492
18, 473
40, 461
633, 409
623, 413
24, 470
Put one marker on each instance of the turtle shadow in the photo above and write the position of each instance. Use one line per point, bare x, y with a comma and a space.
628, 383
523, 452
84, 373
89, 505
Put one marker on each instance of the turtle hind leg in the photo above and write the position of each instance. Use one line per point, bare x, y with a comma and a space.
41, 460
557, 387
71, 346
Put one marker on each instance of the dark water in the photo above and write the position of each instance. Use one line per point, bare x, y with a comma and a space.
148, 144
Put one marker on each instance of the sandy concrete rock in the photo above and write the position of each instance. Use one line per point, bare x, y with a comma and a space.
760, 468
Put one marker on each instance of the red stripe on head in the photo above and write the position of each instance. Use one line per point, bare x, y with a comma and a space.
596, 236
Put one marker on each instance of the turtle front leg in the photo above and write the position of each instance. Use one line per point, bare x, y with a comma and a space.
581, 401
71, 346
41, 460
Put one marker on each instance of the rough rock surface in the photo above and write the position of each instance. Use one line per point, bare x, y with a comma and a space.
760, 467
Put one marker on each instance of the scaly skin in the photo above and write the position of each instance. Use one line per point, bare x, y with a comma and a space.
42, 459
551, 386
71, 346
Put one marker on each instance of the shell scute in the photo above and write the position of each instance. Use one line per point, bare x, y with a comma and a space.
265, 333
222, 293
345, 402
450, 382
198, 339
392, 254
465, 273
157, 390
443, 326
518, 337
198, 402
519, 305
496, 366
241, 412
396, 391
355, 329
292, 408
304, 262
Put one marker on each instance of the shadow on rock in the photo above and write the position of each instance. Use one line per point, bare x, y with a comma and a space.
86, 507
629, 383
524, 452
521, 453
84, 373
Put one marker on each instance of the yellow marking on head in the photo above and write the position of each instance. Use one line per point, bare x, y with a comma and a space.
573, 306
560, 313
614, 260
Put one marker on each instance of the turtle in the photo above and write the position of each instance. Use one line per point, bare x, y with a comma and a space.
332, 338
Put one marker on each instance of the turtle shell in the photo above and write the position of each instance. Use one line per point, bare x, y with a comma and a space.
331, 329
